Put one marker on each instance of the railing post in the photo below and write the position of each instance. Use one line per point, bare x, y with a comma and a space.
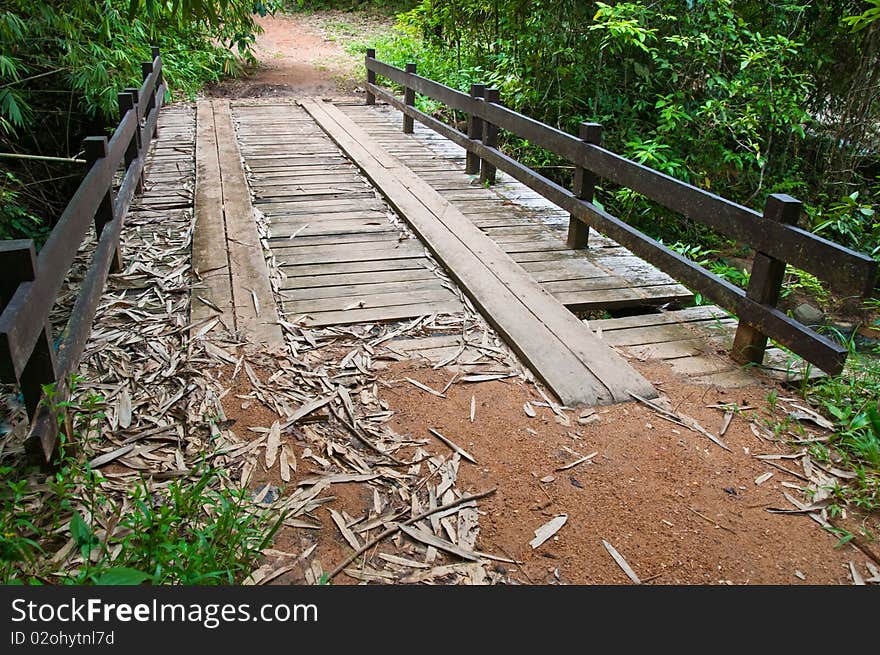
490, 139
371, 75
128, 103
147, 70
474, 131
18, 260
154, 52
584, 187
765, 282
409, 99
95, 150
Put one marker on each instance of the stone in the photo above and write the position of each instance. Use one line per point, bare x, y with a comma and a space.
808, 315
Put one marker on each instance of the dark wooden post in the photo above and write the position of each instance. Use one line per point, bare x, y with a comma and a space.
584, 187
150, 100
371, 75
765, 282
154, 52
95, 150
490, 139
474, 131
18, 260
128, 103
409, 99
17, 257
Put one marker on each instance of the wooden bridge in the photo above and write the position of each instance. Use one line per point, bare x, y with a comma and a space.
379, 212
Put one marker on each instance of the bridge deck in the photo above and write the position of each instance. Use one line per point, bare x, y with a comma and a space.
345, 255
368, 224
526, 226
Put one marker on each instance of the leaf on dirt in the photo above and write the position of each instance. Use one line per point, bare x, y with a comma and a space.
529, 410
100, 460
461, 451
806, 414
856, 576
123, 408
621, 562
581, 460
547, 530
306, 409
437, 542
425, 387
347, 534
728, 417
761, 479
273, 442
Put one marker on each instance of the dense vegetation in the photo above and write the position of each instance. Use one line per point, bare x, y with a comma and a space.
62, 62
743, 98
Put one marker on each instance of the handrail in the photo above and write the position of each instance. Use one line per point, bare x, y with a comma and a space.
31, 282
774, 234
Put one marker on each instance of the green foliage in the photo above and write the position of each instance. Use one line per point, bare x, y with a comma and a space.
852, 401
15, 221
710, 259
45, 52
740, 98
863, 20
850, 221
63, 63
194, 530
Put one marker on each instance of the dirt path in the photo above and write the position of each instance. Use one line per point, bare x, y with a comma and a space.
299, 56
677, 507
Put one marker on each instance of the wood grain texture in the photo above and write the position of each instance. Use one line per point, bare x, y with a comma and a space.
576, 366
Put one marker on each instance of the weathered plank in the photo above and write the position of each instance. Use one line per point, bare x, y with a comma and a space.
390, 313
210, 259
561, 351
343, 257
255, 312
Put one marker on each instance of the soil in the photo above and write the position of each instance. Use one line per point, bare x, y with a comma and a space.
299, 56
677, 507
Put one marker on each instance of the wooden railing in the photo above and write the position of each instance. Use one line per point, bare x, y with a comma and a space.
774, 235
30, 282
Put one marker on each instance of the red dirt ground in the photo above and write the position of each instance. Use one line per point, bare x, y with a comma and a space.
678, 508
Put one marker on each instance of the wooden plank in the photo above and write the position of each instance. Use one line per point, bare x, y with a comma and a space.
256, 315
347, 317
367, 288
282, 230
371, 301
618, 298
575, 365
686, 315
329, 281
652, 334
303, 239
210, 259
289, 248
414, 263
278, 216
341, 255
293, 208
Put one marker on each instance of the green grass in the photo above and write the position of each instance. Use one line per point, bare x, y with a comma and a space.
192, 530
850, 401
